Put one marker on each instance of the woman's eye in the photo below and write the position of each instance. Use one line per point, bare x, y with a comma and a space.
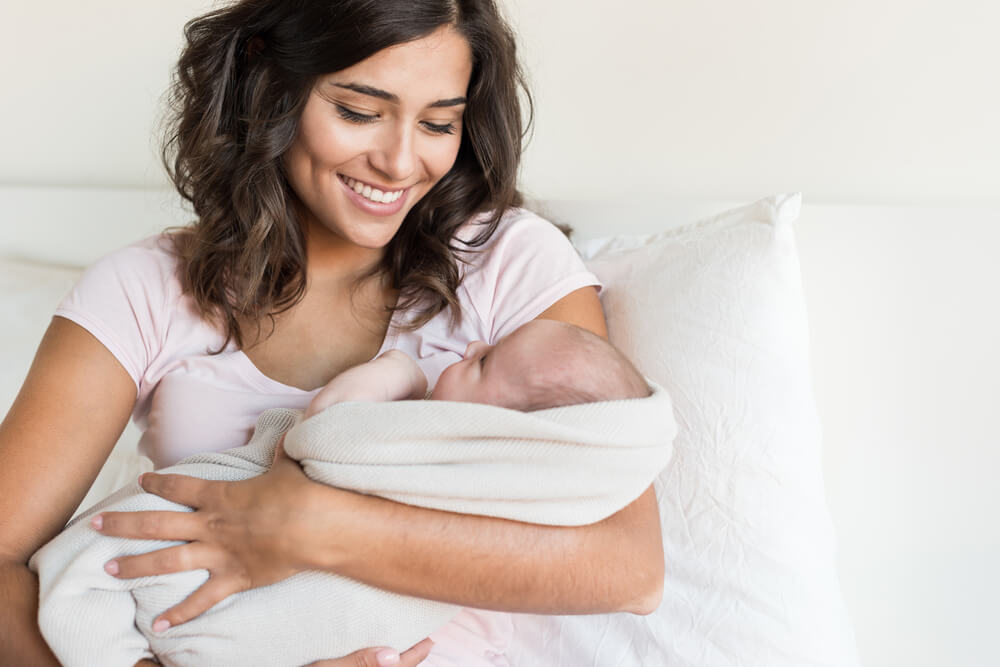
354, 116
363, 118
447, 128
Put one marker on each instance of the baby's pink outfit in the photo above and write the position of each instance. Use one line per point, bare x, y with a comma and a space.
191, 401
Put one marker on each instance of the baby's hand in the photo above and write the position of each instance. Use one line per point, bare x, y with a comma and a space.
392, 376
411, 381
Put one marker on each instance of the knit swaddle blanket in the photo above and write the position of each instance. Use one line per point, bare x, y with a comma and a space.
563, 466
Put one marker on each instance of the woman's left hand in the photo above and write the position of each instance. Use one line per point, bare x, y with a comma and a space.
240, 532
380, 657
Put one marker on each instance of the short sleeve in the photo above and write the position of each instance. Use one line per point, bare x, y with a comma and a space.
529, 264
122, 300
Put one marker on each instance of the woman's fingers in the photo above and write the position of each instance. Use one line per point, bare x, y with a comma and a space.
193, 556
380, 657
238, 531
416, 654
163, 525
184, 557
181, 489
213, 591
183, 526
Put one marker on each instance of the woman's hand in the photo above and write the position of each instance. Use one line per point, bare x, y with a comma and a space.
368, 657
240, 532
380, 657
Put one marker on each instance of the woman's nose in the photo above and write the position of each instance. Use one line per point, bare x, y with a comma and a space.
395, 155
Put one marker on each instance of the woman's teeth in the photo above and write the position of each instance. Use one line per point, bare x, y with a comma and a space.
370, 193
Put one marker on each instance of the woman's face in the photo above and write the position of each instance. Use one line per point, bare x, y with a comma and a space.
375, 137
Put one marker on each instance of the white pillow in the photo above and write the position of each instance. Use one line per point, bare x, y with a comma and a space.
714, 312
29, 292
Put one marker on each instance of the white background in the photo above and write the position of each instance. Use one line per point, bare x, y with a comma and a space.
849, 101
881, 102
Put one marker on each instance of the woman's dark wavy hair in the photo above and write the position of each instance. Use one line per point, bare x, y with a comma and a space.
238, 93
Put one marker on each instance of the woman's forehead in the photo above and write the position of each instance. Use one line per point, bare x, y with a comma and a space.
433, 70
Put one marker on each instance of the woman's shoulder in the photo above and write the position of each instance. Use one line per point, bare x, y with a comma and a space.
146, 270
524, 267
129, 300
153, 256
517, 226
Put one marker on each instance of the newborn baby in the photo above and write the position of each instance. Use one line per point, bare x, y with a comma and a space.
542, 364
464, 458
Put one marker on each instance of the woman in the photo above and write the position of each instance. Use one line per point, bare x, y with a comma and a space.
352, 166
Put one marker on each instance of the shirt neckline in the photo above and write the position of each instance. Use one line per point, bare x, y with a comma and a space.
266, 383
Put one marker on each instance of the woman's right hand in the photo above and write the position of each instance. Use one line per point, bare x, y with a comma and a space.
380, 657
366, 657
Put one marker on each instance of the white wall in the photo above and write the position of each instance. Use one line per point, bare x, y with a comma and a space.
844, 100
81, 84
847, 101
904, 323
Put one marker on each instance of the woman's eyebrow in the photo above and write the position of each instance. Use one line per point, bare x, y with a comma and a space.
450, 102
389, 97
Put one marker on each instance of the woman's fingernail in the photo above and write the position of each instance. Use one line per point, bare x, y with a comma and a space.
140, 478
111, 567
161, 625
97, 522
387, 658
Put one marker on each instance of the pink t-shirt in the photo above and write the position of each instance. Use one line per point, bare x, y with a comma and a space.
190, 401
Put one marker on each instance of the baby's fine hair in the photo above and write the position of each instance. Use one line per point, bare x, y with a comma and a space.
582, 368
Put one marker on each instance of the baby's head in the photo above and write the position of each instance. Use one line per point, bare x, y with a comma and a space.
542, 364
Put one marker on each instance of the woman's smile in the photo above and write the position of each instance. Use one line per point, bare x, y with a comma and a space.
372, 199
379, 195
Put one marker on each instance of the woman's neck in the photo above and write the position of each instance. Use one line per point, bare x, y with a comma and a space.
331, 259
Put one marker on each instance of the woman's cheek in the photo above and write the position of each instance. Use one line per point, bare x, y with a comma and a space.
440, 153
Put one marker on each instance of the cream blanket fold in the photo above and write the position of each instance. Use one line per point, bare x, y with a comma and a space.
563, 466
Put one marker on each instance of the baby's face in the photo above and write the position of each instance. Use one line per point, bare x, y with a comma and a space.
491, 373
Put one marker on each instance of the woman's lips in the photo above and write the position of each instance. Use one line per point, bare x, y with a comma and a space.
366, 198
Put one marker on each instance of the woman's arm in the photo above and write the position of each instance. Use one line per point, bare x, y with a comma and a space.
70, 411
612, 565
253, 533
581, 308
66, 418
